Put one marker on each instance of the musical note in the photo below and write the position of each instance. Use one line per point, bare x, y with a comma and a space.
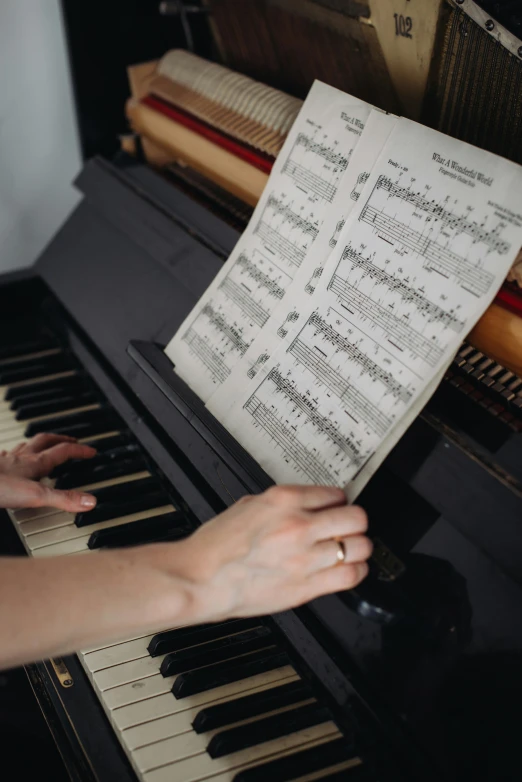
288, 237
321, 176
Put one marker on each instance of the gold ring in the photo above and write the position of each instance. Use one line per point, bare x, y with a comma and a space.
341, 552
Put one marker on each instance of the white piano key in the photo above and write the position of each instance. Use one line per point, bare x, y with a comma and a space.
164, 704
190, 762
28, 514
99, 647
70, 531
41, 379
76, 546
137, 691
30, 356
130, 700
127, 672
174, 725
117, 654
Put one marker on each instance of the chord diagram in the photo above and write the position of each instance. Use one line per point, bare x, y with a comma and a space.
285, 232
399, 333
254, 369
408, 294
315, 167
312, 283
282, 331
335, 236
459, 222
361, 181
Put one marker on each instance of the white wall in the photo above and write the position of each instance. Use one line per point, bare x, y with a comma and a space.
39, 148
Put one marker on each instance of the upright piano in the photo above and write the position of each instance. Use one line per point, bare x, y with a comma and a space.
414, 676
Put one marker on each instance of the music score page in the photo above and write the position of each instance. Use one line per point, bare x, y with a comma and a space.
429, 242
278, 243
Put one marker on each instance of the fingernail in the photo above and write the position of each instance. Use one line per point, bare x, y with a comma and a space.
87, 501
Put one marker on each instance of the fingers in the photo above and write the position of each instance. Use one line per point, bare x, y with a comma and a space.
24, 493
41, 442
58, 454
335, 579
357, 548
338, 522
305, 497
72, 501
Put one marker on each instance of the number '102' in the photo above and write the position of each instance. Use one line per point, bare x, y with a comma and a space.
403, 25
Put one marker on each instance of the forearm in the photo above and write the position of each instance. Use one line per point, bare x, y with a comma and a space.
53, 606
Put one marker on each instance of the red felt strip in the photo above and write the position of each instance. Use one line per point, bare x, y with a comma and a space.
252, 156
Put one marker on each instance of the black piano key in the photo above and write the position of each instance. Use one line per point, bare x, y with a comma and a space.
277, 697
100, 472
24, 348
217, 651
80, 425
128, 490
114, 441
123, 499
36, 368
55, 390
218, 675
46, 386
357, 774
106, 511
307, 761
266, 729
38, 409
168, 526
105, 445
163, 643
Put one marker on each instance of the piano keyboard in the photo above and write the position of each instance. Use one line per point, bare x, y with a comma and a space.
216, 702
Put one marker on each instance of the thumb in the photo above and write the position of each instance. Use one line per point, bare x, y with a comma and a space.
72, 501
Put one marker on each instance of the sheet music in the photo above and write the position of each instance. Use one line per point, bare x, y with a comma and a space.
427, 246
281, 235
287, 315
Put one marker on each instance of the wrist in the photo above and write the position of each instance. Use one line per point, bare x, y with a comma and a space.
184, 591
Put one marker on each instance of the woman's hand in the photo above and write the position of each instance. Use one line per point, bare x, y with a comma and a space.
274, 551
22, 468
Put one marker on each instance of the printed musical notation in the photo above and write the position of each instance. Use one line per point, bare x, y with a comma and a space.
281, 241
224, 328
291, 419
336, 234
411, 270
361, 181
284, 232
437, 229
315, 168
